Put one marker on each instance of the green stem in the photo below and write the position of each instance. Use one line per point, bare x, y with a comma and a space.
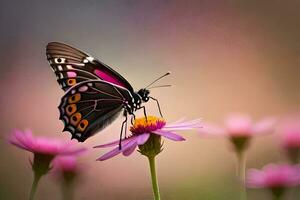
35, 182
275, 197
67, 192
153, 178
278, 193
241, 173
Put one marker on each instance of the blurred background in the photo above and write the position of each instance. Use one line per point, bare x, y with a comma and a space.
225, 56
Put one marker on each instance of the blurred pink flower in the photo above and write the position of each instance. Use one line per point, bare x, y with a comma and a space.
142, 130
276, 178
273, 176
290, 135
65, 164
44, 150
67, 170
239, 129
42, 145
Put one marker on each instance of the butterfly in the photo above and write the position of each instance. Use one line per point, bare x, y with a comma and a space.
95, 94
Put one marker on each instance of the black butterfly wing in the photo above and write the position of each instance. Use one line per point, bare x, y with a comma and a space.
90, 106
73, 66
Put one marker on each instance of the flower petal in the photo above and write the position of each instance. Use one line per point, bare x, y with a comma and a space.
116, 150
114, 143
70, 150
255, 178
130, 150
18, 144
265, 125
170, 135
110, 154
210, 129
19, 139
141, 139
185, 124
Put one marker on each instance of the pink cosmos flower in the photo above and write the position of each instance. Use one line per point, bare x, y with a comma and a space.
142, 130
44, 150
66, 164
42, 145
290, 138
274, 176
67, 170
239, 129
290, 131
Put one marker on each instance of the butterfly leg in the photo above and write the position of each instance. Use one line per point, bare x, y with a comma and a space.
126, 128
157, 106
132, 118
121, 134
144, 109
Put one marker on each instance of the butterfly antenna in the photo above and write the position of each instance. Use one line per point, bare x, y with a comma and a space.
159, 86
166, 74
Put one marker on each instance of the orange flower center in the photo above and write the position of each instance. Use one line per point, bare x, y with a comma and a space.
143, 125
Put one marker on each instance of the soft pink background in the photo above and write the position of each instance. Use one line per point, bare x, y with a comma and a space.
225, 56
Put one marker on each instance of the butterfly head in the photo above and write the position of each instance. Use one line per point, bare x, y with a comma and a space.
144, 94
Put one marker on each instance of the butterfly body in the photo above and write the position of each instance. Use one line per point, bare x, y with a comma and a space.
95, 94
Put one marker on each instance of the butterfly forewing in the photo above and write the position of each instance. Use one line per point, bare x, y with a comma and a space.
72, 66
90, 106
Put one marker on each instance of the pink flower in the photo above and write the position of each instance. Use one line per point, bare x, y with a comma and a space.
67, 168
239, 129
67, 171
42, 145
65, 164
290, 131
44, 149
290, 138
143, 130
274, 176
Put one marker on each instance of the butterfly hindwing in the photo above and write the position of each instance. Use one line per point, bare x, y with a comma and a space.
73, 66
90, 106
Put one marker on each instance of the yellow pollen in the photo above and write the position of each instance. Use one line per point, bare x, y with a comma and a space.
143, 123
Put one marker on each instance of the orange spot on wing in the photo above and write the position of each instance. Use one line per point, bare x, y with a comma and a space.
70, 109
75, 118
82, 125
71, 81
74, 98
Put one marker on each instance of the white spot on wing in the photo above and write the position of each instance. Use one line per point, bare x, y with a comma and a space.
90, 58
83, 88
69, 67
59, 60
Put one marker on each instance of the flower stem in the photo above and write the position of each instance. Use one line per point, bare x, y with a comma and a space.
275, 197
35, 182
153, 178
241, 173
67, 192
